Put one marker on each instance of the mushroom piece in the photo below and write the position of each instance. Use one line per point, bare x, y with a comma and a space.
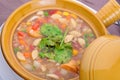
75, 34
68, 38
20, 56
63, 20
33, 18
36, 64
56, 16
81, 42
36, 41
53, 76
28, 67
34, 54
73, 23
40, 13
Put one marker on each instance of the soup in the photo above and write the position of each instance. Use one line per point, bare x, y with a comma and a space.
50, 43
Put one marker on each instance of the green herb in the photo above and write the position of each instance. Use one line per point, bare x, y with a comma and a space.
64, 36
86, 36
23, 30
63, 54
46, 13
52, 45
50, 30
16, 50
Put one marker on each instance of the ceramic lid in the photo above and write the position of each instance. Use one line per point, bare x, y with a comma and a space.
101, 61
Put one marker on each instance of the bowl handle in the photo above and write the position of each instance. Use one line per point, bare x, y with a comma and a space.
109, 13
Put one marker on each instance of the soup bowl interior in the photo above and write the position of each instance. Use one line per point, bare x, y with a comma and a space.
14, 19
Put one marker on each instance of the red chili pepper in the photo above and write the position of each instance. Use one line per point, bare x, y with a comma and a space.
35, 26
21, 34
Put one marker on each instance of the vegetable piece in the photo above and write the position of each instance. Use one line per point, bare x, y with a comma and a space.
46, 13
33, 33
91, 35
63, 26
73, 23
51, 12
28, 23
43, 68
20, 56
86, 40
50, 30
16, 50
71, 66
81, 42
68, 38
56, 16
75, 34
63, 54
22, 42
27, 54
64, 36
47, 55
28, 67
22, 34
53, 76
36, 64
75, 52
68, 17
34, 54
46, 43
33, 18
63, 20
35, 26
59, 12
40, 13
66, 13
31, 47
36, 41
52, 46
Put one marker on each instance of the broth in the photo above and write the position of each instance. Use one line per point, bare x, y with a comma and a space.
50, 43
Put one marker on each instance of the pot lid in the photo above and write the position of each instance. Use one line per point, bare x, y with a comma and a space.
101, 61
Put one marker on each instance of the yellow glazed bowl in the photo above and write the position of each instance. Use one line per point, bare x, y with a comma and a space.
96, 22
